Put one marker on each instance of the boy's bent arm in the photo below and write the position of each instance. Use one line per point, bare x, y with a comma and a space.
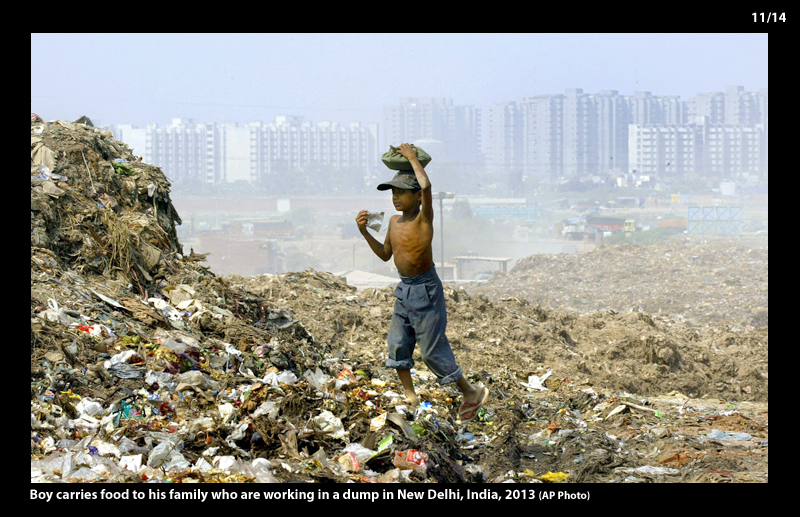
383, 251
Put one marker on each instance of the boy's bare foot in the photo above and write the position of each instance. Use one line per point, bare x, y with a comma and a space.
412, 399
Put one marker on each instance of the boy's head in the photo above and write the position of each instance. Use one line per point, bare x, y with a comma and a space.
405, 180
406, 192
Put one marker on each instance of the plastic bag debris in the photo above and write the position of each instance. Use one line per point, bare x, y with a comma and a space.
329, 424
89, 407
716, 434
537, 383
375, 220
131, 462
648, 470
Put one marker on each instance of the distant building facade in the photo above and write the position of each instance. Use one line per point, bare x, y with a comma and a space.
577, 134
291, 143
223, 153
431, 118
701, 148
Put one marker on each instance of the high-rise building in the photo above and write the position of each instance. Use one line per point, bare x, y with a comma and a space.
666, 150
505, 136
291, 143
226, 152
576, 134
542, 134
430, 118
710, 150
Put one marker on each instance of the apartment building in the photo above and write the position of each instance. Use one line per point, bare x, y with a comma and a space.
576, 134
703, 148
292, 143
430, 118
668, 150
223, 153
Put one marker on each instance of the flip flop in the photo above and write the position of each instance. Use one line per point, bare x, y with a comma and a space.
472, 408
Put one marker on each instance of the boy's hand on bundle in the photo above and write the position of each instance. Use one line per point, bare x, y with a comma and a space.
407, 151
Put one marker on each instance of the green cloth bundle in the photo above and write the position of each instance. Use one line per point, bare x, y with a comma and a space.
398, 162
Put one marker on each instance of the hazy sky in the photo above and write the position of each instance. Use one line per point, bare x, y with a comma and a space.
143, 78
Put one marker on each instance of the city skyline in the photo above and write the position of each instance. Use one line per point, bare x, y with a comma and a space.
572, 134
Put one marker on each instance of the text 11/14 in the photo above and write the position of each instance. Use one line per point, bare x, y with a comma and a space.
769, 17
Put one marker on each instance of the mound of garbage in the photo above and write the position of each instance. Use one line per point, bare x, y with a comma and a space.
146, 366
706, 280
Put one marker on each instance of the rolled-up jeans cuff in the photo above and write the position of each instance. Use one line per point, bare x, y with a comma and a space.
453, 377
405, 364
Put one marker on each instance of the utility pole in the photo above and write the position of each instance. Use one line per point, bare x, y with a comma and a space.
442, 196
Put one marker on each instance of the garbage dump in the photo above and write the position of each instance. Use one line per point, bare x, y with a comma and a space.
709, 279
146, 366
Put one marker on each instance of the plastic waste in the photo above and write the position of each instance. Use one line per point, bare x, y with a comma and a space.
320, 459
197, 379
224, 463
377, 422
360, 452
274, 378
411, 459
131, 462
375, 221
261, 470
58, 314
327, 423
127, 371
89, 407
127, 445
465, 437
349, 462
554, 477
167, 455
648, 470
395, 475
317, 379
227, 411
537, 383
174, 346
203, 424
716, 434
270, 408
404, 426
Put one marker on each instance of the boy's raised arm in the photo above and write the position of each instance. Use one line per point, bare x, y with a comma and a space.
422, 178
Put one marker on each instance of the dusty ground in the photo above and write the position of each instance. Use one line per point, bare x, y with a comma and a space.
146, 365
705, 279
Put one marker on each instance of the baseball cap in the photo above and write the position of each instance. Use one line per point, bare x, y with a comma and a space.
406, 180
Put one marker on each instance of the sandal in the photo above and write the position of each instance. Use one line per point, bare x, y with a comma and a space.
469, 410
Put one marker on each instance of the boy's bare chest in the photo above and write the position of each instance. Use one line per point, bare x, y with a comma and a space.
409, 234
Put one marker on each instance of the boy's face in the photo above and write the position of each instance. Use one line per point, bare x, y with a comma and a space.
405, 199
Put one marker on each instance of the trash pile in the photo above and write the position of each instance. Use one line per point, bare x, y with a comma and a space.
148, 367
708, 280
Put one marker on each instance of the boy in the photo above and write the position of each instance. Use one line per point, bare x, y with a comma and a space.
419, 316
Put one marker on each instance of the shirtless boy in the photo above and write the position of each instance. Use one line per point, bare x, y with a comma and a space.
419, 316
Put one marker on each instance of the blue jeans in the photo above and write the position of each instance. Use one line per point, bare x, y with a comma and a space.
420, 318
